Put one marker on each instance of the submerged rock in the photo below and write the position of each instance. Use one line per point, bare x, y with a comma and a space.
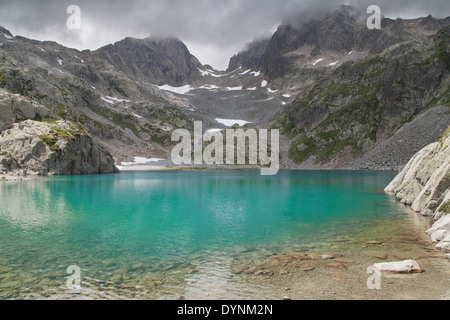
336, 265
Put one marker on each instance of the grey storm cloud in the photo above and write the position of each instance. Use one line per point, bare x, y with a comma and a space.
213, 29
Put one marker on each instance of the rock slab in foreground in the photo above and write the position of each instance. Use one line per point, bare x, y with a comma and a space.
52, 147
407, 266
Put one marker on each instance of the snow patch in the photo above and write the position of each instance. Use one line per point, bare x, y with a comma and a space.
245, 72
232, 122
264, 83
82, 61
271, 91
286, 95
213, 130
137, 116
60, 61
203, 73
234, 88
211, 73
209, 87
251, 89
180, 90
256, 74
7, 36
117, 99
109, 101
41, 49
317, 61
140, 160
333, 63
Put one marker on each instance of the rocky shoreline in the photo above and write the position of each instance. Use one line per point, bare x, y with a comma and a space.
424, 184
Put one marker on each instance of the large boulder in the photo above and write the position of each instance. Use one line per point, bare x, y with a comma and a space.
52, 148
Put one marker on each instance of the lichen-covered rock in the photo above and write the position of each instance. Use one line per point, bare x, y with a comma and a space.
51, 148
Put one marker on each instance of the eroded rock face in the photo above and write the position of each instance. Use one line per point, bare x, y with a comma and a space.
14, 107
52, 148
424, 184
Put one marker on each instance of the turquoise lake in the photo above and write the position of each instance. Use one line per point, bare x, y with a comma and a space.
138, 225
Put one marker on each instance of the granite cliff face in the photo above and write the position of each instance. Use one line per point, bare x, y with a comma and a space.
424, 184
359, 105
51, 147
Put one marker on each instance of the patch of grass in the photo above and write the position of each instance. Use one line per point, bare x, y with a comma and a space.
329, 136
286, 127
445, 208
51, 141
442, 54
310, 147
9, 156
119, 120
116, 118
56, 133
63, 91
62, 111
3, 81
40, 96
49, 120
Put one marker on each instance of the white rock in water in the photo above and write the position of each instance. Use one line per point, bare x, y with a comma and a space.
440, 231
407, 266
445, 243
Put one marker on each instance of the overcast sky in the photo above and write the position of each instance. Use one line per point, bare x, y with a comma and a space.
213, 30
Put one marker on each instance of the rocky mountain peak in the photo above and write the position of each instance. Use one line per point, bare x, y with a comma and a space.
5, 33
301, 41
430, 23
247, 57
158, 61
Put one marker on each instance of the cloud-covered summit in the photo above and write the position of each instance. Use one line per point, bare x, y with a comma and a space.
213, 29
